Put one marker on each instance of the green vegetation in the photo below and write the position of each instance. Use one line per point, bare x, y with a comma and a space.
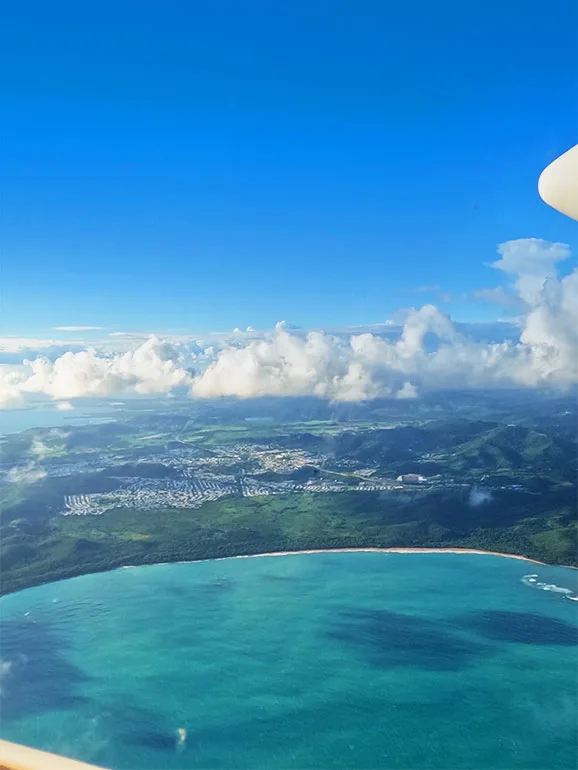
516, 451
465, 450
528, 525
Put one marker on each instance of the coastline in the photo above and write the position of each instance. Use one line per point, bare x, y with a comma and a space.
303, 552
417, 550
369, 549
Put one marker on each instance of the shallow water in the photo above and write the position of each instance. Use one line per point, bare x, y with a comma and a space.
361, 660
17, 420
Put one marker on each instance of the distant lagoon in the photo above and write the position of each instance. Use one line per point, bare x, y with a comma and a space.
326, 660
17, 420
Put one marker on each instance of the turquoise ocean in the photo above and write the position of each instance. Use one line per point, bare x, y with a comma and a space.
334, 660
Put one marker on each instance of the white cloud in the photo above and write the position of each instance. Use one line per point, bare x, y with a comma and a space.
78, 328
64, 406
154, 367
361, 367
285, 325
407, 391
479, 496
532, 262
39, 448
5, 671
500, 296
551, 331
135, 335
366, 366
318, 364
14, 349
17, 344
429, 351
25, 474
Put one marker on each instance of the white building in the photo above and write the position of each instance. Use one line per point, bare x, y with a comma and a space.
411, 478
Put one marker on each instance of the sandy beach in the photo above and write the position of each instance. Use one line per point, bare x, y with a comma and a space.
477, 551
392, 550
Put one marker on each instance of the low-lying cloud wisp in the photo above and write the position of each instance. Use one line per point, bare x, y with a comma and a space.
479, 496
25, 474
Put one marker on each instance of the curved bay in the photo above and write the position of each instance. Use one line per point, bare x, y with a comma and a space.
323, 661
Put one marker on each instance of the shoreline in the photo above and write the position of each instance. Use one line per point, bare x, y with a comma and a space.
368, 549
304, 552
417, 550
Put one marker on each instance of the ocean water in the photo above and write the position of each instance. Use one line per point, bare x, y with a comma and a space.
360, 660
17, 420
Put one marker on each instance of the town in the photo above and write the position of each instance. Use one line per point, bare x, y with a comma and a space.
191, 481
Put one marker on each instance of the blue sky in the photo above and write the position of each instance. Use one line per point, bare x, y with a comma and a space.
202, 166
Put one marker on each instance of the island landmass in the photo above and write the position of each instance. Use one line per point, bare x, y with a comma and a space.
481, 474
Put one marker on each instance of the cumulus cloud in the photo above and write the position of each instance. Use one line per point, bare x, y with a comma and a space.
286, 326
14, 349
407, 391
154, 367
64, 406
428, 351
361, 367
532, 262
319, 365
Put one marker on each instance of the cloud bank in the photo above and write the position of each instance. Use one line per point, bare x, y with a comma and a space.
154, 367
431, 352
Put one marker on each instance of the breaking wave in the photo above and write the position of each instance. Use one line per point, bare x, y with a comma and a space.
533, 582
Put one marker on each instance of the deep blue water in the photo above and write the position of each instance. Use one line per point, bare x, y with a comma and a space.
314, 661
